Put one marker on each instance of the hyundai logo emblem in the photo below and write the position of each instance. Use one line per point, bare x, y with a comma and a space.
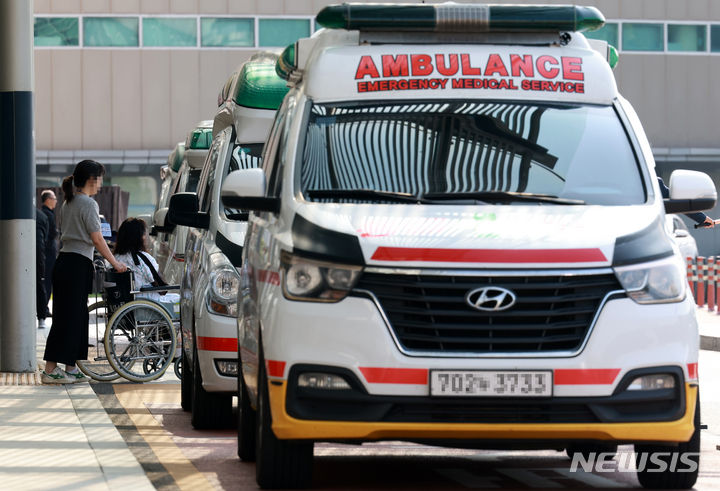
490, 298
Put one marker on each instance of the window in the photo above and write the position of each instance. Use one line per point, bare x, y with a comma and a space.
683, 37
217, 156
274, 148
56, 31
110, 31
158, 31
642, 37
571, 152
608, 32
715, 38
227, 32
281, 32
192, 181
143, 193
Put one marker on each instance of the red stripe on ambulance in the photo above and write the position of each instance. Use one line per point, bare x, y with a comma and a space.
377, 375
217, 344
585, 376
489, 255
275, 368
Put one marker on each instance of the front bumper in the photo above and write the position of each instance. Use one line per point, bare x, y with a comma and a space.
216, 339
286, 426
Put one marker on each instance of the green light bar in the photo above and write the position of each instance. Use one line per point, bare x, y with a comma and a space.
200, 138
258, 86
177, 157
451, 17
286, 63
613, 56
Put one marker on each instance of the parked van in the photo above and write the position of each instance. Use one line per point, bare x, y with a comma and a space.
457, 237
171, 261
214, 245
159, 228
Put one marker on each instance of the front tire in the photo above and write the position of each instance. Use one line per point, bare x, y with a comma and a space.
280, 463
186, 381
247, 421
671, 478
209, 410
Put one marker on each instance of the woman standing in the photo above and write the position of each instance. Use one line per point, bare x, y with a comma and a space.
80, 234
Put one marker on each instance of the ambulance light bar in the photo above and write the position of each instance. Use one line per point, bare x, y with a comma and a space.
258, 86
286, 63
452, 17
200, 139
176, 157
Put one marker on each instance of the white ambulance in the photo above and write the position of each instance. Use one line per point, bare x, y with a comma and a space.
159, 228
213, 248
171, 238
457, 236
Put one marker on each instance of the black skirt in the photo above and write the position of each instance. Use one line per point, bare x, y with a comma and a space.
72, 279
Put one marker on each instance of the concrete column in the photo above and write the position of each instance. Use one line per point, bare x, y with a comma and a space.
18, 331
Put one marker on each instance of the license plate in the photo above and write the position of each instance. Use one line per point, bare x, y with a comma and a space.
490, 383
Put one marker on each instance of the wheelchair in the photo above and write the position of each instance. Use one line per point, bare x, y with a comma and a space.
134, 337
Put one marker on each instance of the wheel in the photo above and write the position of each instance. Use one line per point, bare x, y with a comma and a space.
140, 341
186, 383
247, 421
686, 456
177, 366
279, 463
586, 449
209, 410
97, 365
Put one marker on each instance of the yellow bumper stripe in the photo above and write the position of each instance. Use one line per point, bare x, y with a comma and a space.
287, 427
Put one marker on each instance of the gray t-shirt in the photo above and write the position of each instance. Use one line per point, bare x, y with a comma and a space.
78, 219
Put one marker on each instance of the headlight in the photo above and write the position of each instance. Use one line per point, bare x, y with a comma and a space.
316, 281
661, 281
653, 382
223, 291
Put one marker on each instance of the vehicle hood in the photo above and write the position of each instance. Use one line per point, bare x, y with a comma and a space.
503, 236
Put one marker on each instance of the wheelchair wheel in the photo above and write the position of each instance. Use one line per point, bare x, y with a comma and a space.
140, 341
97, 366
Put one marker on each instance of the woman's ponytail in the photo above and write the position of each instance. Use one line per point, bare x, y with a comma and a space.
67, 187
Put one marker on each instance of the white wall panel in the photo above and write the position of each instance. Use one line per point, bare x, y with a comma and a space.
155, 85
96, 108
43, 99
67, 99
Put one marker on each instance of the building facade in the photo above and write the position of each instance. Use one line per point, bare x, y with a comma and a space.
122, 81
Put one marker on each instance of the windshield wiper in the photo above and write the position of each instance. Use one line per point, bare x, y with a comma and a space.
501, 196
365, 194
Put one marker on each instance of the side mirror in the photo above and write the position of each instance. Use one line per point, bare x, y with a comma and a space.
185, 210
161, 223
245, 189
690, 191
146, 217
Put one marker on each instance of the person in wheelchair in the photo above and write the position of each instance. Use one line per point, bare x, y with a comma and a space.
130, 250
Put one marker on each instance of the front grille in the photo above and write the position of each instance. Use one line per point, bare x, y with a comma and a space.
428, 312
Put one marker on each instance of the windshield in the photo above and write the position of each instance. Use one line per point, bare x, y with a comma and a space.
469, 150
